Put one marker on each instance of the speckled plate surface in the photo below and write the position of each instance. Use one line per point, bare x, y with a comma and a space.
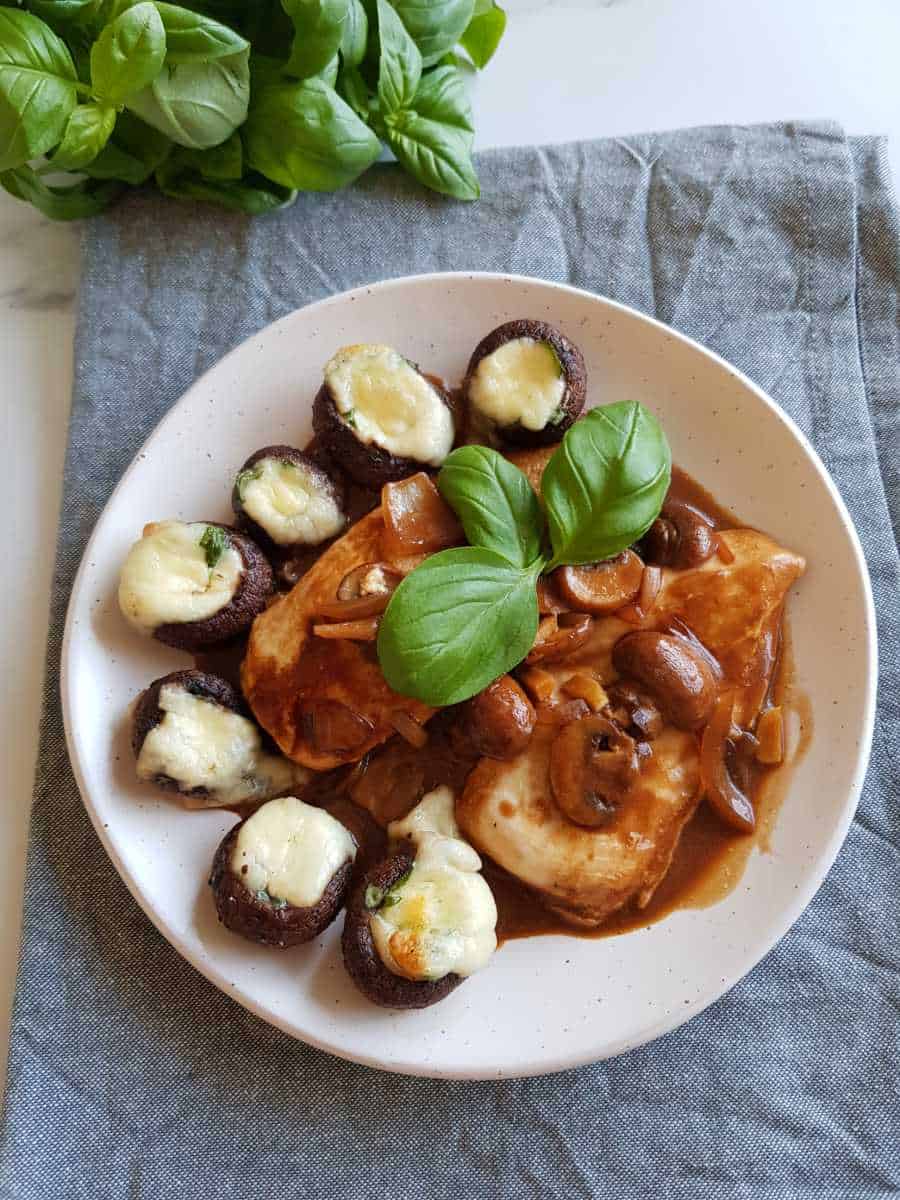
545, 1003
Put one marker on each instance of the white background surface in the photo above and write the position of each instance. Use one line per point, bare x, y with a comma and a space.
567, 69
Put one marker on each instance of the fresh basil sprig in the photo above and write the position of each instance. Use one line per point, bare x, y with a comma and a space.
303, 92
465, 617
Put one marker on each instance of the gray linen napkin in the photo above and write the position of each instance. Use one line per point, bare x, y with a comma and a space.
130, 1075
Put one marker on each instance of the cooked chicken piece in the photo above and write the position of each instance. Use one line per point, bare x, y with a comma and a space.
734, 609
507, 810
324, 701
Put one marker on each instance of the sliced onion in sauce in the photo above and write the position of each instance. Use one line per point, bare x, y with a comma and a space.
410, 730
364, 630
354, 610
417, 520
724, 550
731, 804
330, 727
651, 582
538, 683
770, 737
582, 686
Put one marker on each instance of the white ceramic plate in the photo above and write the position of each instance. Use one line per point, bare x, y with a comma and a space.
545, 1003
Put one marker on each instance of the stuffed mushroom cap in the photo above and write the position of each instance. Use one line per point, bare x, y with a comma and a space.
280, 877
526, 381
193, 584
424, 919
379, 417
284, 498
191, 734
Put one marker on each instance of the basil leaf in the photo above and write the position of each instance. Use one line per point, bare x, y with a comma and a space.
132, 154
197, 104
455, 624
604, 486
303, 135
128, 54
252, 194
37, 88
495, 503
433, 138
84, 199
435, 25
355, 35
65, 12
329, 72
225, 161
352, 87
192, 37
400, 63
319, 31
214, 543
87, 132
483, 33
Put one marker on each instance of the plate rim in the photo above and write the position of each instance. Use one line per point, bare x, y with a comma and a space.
667, 1023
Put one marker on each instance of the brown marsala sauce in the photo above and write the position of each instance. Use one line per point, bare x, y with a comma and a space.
710, 858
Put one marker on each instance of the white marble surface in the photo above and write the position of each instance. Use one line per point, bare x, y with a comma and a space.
568, 69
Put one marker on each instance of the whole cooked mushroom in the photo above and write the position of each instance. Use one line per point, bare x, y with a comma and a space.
680, 537
498, 722
593, 765
678, 674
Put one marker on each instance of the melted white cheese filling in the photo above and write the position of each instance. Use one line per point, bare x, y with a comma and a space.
386, 401
200, 744
443, 918
522, 381
165, 577
289, 503
291, 850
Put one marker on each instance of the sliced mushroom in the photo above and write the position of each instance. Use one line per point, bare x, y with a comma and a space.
593, 766
329, 727
498, 722
679, 537
601, 587
549, 598
729, 801
363, 592
680, 677
634, 711
559, 636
